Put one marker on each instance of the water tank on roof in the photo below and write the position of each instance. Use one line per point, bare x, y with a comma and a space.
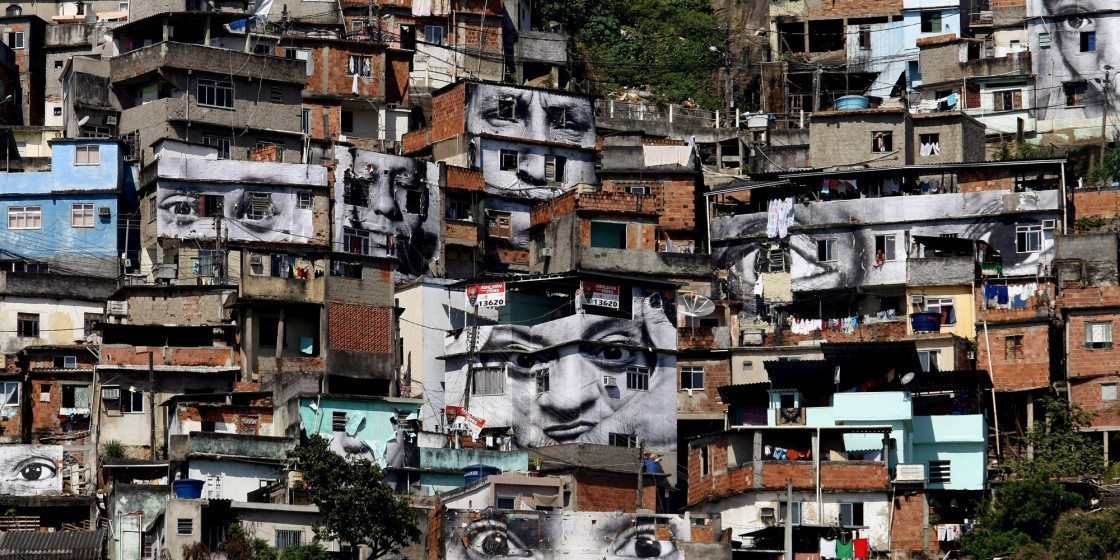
849, 102
475, 473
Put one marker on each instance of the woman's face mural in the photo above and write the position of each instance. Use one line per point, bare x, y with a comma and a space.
1073, 56
249, 213
393, 202
500, 535
583, 377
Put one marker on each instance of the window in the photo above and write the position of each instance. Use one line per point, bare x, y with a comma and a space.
87, 155
1098, 334
488, 381
132, 402
91, 321
148, 543
282, 266
944, 306
267, 332
304, 200
1108, 391
608, 235
639, 189
338, 421
704, 461
692, 377
1010, 100
826, 250
263, 50
433, 34
413, 202
221, 143
542, 378
15, 39
260, 206
504, 502
554, 167
637, 378
355, 193
865, 37
931, 22
359, 66
305, 121
184, 526
1044, 40
458, 209
1088, 41
27, 325
65, 362
13, 11
256, 265
507, 160
499, 224
81, 216
929, 145
1075, 92
9, 393
346, 269
851, 514
507, 108
276, 94
214, 93
882, 142
1013, 347
622, 440
928, 359
347, 122
795, 512
885, 247
355, 241
939, 472
1028, 239
57, 111
787, 400
211, 205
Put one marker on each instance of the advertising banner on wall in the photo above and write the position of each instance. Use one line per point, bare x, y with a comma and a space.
487, 295
600, 295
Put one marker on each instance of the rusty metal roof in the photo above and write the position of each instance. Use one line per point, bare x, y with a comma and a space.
60, 545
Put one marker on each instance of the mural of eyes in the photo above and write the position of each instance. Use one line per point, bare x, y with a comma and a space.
570, 121
34, 469
179, 209
607, 355
641, 542
1077, 23
490, 539
502, 111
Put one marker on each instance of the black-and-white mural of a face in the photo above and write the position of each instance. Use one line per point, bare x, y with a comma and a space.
1070, 71
528, 114
387, 206
580, 378
249, 213
501, 535
30, 470
532, 170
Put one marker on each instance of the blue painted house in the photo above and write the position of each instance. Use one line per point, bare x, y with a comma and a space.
66, 219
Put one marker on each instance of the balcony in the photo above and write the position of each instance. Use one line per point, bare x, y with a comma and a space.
703, 337
148, 8
169, 357
595, 201
272, 366
940, 271
461, 233
643, 262
235, 445
1014, 64
302, 290
201, 58
881, 330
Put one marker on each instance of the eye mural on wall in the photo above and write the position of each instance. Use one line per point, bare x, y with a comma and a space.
1069, 62
385, 206
583, 378
30, 470
248, 213
498, 535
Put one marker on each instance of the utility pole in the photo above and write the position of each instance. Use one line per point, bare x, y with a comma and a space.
788, 544
217, 260
1104, 113
152, 399
641, 469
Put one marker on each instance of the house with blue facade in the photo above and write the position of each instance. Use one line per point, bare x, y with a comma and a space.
65, 220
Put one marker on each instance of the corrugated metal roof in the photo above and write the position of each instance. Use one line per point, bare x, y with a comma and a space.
60, 545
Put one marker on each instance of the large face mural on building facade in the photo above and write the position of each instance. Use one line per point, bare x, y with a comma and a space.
535, 143
380, 432
249, 213
501, 535
30, 470
386, 206
582, 378
1072, 45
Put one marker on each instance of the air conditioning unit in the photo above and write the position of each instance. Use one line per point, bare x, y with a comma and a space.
110, 393
767, 515
546, 251
116, 307
1049, 224
918, 300
103, 211
111, 120
610, 381
911, 472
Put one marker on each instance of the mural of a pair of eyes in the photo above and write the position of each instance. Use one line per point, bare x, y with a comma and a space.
492, 540
1077, 23
603, 354
34, 469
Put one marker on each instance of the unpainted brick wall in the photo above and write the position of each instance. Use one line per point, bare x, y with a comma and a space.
1098, 204
360, 328
717, 373
1029, 369
601, 491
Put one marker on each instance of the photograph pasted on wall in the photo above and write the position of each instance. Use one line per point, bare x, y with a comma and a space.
30, 470
387, 206
268, 214
582, 378
1069, 63
497, 535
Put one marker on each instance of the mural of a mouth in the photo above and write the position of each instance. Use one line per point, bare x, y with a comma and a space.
568, 432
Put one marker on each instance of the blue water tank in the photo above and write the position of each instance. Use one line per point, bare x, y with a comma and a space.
188, 488
849, 102
475, 473
925, 322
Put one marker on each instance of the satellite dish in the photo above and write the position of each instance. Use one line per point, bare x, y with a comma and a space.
695, 305
909, 377
82, 121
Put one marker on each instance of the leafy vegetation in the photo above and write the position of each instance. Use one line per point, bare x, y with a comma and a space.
355, 505
1061, 449
664, 44
113, 449
1108, 171
1021, 151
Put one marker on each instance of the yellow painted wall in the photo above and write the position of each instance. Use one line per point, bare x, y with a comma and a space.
963, 302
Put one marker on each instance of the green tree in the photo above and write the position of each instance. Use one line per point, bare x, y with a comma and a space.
239, 545
1107, 171
310, 551
1061, 449
1024, 513
1089, 536
355, 505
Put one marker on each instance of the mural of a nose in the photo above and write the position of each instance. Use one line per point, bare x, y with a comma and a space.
570, 394
383, 201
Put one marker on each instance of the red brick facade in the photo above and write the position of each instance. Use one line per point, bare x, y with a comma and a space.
1020, 355
603, 491
360, 328
1099, 204
908, 524
448, 120
717, 373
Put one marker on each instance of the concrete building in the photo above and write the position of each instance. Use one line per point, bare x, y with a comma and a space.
25, 35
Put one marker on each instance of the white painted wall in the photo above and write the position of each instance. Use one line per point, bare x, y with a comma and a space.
231, 480
61, 321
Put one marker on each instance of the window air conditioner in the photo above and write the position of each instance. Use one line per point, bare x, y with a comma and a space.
610, 381
111, 393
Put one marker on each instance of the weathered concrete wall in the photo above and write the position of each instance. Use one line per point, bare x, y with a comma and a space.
1087, 259
842, 138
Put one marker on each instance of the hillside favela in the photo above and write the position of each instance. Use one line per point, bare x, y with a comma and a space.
559, 279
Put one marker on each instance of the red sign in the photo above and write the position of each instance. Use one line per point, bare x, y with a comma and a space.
601, 295
487, 295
